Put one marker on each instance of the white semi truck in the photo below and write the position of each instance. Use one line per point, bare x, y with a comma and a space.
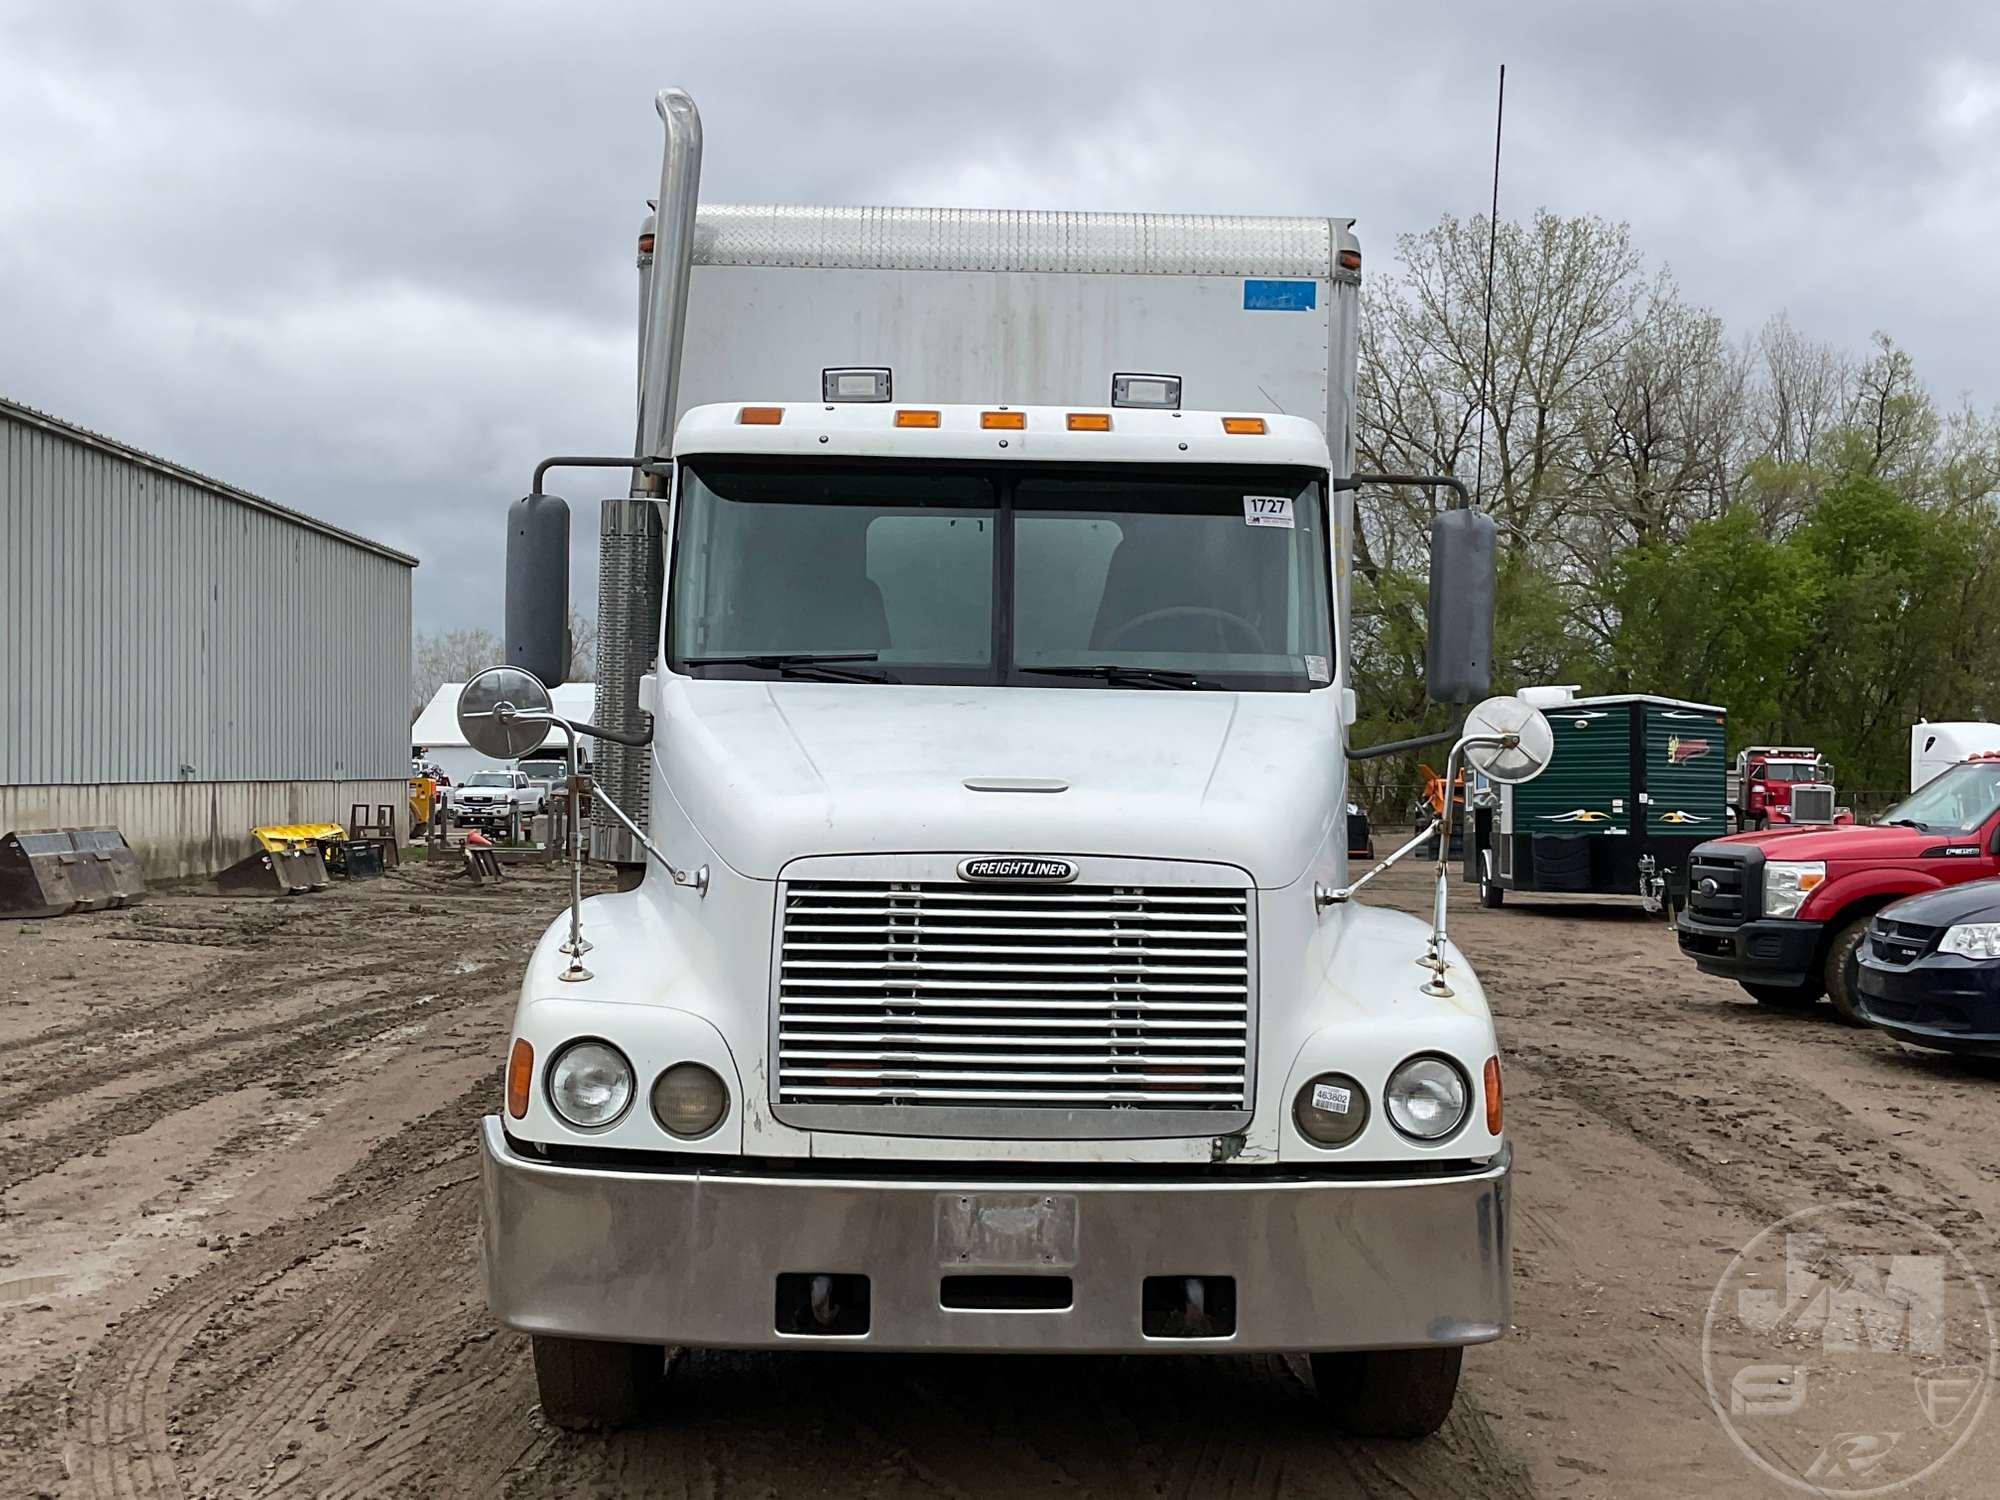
974, 704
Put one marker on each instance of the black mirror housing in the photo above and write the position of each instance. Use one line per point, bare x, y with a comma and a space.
1464, 579
537, 636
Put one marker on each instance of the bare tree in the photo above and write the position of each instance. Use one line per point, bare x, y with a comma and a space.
582, 648
449, 656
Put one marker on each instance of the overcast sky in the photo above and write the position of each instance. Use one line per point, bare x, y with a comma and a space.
374, 260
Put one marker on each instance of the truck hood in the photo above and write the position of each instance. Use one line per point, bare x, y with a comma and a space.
773, 771
1867, 843
1975, 901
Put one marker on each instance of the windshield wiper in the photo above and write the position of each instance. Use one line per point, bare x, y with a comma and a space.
1152, 677
1907, 823
798, 664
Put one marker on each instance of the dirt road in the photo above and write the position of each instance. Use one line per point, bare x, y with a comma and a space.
238, 1237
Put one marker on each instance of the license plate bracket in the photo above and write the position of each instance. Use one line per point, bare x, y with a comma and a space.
1007, 1230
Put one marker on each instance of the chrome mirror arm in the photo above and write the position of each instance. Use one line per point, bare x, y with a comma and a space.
696, 880
1433, 958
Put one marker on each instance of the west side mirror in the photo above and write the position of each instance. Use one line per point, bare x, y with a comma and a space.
1525, 745
1459, 652
504, 712
538, 587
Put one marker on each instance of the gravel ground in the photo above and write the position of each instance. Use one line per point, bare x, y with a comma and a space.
238, 1247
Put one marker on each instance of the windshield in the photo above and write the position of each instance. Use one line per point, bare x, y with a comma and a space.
1958, 801
1791, 770
490, 778
543, 770
1049, 577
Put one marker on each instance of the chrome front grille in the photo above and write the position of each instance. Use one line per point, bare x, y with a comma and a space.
1812, 804
967, 996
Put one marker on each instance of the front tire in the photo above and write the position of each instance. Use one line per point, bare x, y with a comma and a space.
1492, 897
1843, 969
586, 1384
1388, 1393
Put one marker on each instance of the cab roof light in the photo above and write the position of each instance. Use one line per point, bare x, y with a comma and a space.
1090, 421
760, 416
1149, 392
1006, 421
917, 417
856, 383
1244, 426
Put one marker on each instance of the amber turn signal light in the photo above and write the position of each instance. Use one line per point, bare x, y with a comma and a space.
520, 1075
1492, 1077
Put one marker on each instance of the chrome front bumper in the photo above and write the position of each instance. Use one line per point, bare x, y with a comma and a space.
685, 1258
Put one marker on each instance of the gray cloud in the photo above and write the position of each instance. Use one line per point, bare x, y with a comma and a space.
375, 262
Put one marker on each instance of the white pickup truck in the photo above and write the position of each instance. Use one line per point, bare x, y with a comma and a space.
485, 799
988, 976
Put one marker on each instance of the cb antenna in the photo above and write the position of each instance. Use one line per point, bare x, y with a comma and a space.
1486, 349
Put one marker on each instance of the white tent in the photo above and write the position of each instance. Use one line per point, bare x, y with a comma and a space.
435, 734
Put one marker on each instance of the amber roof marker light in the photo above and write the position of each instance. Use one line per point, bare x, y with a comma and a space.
1004, 421
760, 416
1089, 421
918, 417
1244, 426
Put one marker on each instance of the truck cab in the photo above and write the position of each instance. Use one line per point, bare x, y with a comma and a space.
1784, 912
1763, 787
990, 978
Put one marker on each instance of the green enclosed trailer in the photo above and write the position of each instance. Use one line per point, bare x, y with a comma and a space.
1634, 784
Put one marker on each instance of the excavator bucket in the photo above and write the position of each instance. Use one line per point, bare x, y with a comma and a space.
274, 872
287, 860
48, 872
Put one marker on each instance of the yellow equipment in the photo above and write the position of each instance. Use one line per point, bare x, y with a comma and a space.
288, 858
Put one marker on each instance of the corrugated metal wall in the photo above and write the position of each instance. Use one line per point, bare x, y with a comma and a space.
155, 627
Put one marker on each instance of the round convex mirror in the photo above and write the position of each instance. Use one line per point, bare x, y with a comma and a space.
1523, 760
491, 709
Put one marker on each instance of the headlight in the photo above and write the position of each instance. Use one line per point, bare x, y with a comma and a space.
590, 1083
1787, 883
1331, 1109
689, 1100
1973, 940
1427, 1098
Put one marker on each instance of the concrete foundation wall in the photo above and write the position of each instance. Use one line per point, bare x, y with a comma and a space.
188, 828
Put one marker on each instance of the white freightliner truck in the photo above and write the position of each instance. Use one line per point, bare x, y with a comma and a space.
973, 709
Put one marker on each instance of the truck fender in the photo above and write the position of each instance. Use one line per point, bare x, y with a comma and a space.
1366, 989
1833, 902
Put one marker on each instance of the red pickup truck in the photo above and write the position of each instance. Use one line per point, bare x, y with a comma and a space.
1783, 912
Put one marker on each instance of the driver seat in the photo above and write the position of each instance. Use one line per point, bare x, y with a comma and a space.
1157, 567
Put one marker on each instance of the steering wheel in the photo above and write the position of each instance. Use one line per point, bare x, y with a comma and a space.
1222, 617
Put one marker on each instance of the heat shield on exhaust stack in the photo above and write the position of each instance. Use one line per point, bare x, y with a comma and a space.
630, 575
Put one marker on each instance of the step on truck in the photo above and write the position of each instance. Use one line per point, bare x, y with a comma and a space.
971, 727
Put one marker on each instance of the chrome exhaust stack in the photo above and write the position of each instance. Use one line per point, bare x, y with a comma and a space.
631, 556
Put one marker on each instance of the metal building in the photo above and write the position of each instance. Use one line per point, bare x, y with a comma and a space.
184, 660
